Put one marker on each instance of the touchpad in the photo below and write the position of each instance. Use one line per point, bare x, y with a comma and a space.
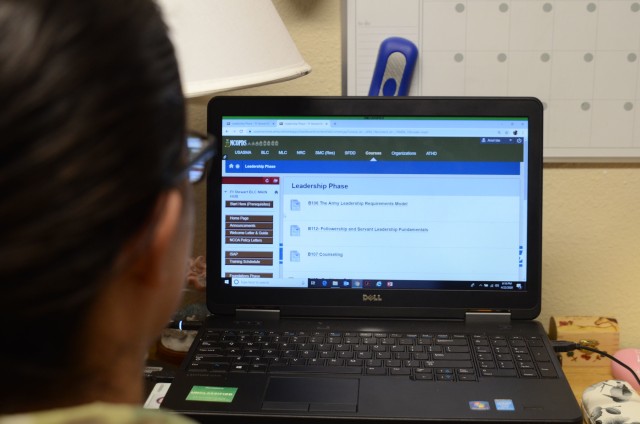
312, 394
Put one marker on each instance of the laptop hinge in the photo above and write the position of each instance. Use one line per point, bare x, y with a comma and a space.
488, 317
257, 314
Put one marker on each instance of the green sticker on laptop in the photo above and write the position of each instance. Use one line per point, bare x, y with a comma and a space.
212, 394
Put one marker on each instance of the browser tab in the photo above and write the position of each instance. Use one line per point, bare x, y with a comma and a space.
309, 123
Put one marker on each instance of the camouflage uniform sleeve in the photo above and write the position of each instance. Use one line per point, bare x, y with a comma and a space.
98, 413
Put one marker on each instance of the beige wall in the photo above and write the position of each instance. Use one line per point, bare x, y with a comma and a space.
591, 236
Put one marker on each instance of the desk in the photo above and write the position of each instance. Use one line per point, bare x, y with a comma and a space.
583, 377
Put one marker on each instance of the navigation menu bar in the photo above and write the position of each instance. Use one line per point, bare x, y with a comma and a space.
508, 149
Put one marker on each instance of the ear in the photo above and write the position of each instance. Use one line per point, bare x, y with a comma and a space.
149, 279
150, 266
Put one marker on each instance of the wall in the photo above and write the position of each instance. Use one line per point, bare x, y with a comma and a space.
591, 234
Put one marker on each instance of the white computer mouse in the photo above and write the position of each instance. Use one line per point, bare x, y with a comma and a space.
631, 358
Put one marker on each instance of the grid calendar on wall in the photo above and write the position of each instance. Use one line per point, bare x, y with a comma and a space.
581, 58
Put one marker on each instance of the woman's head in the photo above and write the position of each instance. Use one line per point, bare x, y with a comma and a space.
91, 136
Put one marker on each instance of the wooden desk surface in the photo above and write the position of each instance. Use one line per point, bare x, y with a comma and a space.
582, 377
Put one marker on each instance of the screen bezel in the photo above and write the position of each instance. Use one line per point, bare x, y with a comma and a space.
404, 303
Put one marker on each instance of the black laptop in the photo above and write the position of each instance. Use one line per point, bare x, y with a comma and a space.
374, 259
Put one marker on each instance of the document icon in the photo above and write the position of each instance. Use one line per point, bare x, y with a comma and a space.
294, 231
295, 205
294, 256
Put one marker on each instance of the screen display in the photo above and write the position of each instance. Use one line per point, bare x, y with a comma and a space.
374, 203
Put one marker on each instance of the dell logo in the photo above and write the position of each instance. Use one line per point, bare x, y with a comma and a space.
371, 298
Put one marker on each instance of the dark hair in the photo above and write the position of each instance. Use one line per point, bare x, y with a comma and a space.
91, 132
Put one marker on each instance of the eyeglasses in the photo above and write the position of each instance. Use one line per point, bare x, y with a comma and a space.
201, 148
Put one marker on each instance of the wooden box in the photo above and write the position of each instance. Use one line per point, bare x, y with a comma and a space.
603, 331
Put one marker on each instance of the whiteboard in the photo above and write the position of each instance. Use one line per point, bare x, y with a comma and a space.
579, 57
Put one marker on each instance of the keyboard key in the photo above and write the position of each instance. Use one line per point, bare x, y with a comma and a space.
219, 367
287, 369
547, 371
448, 364
457, 349
451, 342
375, 371
506, 357
258, 368
399, 371
485, 357
452, 356
498, 373
526, 365
523, 358
239, 368
540, 354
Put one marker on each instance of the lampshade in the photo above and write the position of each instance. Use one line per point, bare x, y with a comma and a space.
228, 44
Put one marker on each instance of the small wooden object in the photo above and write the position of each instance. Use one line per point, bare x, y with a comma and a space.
602, 331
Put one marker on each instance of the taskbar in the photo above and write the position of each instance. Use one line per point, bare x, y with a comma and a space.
333, 283
243, 281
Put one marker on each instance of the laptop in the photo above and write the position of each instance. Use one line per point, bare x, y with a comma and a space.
374, 259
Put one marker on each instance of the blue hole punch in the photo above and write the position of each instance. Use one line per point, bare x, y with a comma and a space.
394, 67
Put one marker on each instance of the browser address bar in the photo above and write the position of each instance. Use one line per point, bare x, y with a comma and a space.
370, 132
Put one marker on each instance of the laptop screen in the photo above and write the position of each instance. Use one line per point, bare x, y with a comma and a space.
374, 202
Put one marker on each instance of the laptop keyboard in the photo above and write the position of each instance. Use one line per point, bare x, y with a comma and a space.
430, 357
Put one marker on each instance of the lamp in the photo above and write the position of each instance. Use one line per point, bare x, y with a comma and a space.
229, 44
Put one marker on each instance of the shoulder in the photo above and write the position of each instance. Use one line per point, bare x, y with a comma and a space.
98, 413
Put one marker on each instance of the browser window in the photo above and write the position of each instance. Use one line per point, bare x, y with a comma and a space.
374, 202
